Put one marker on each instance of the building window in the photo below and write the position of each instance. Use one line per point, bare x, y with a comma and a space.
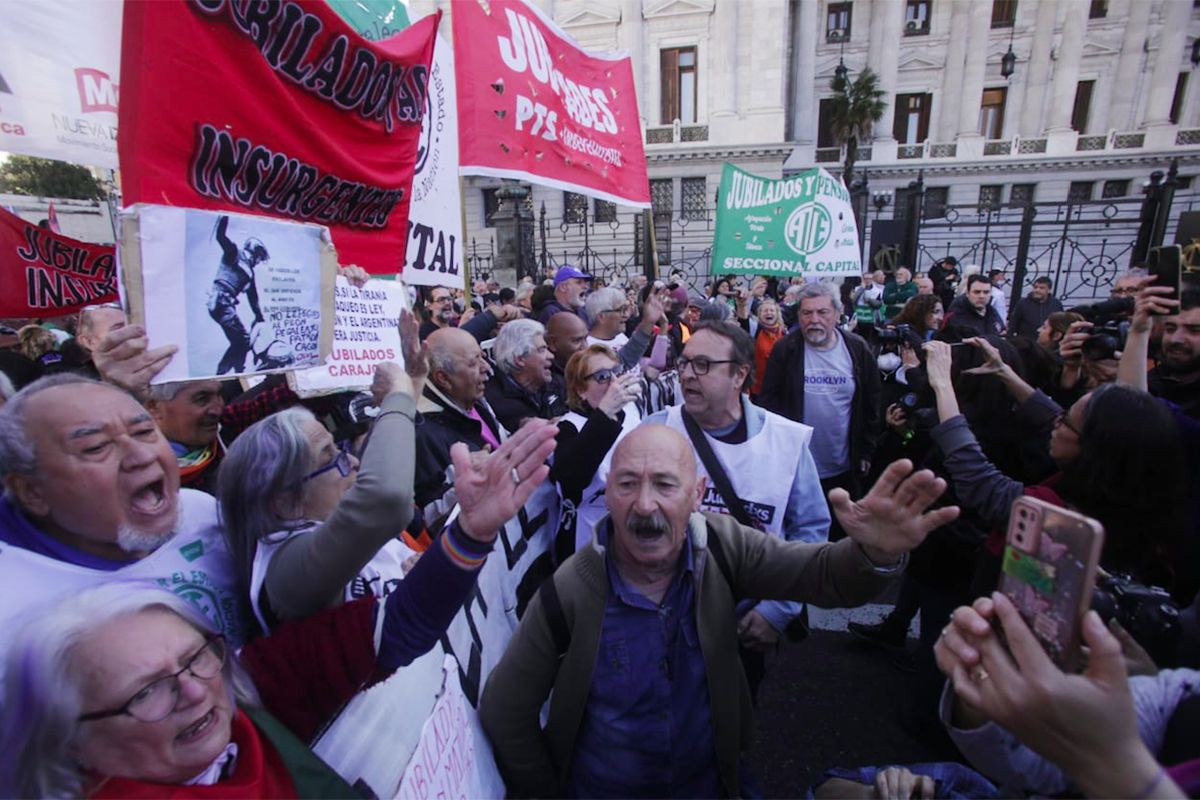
1021, 194
1004, 13
916, 18
1180, 94
1114, 189
1083, 105
662, 195
837, 22
1098, 9
574, 208
491, 204
604, 211
1080, 191
693, 193
825, 137
936, 199
989, 197
991, 113
1184, 182
678, 75
911, 124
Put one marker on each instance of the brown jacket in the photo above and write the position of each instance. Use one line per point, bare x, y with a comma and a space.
536, 762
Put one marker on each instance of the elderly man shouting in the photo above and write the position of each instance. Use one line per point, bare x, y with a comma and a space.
635, 633
92, 494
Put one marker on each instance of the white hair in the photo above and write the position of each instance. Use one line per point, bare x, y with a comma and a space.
603, 300
516, 340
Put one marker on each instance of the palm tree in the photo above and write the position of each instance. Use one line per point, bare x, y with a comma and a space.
856, 106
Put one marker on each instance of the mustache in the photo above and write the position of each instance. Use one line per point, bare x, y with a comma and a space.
647, 525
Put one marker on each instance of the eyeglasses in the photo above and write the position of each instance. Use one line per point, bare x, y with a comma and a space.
605, 375
700, 365
439, 300
341, 462
158, 699
1061, 419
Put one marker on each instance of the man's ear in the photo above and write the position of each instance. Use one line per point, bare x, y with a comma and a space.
701, 483
155, 407
28, 493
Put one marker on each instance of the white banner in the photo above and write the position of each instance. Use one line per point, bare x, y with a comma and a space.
435, 244
59, 67
364, 334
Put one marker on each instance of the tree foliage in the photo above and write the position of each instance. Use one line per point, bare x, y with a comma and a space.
855, 108
41, 177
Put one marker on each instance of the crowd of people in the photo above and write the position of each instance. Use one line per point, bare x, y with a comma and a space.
199, 577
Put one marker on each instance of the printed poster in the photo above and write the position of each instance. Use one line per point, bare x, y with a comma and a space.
59, 62
278, 109
46, 274
800, 225
238, 294
534, 106
365, 333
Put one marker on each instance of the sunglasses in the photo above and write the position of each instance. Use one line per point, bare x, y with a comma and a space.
605, 375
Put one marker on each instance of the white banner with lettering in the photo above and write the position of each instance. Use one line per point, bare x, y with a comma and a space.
59, 67
417, 734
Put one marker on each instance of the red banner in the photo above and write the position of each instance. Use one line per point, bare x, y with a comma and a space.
534, 106
46, 274
279, 109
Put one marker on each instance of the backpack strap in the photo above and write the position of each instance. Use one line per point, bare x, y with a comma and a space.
560, 631
717, 550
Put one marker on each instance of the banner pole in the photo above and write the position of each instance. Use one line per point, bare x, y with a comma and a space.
652, 255
462, 245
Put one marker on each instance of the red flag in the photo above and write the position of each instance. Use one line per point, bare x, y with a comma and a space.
46, 274
52, 219
278, 109
534, 106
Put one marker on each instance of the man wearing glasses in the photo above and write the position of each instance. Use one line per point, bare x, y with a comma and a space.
765, 458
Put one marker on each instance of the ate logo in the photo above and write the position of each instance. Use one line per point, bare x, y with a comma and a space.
97, 92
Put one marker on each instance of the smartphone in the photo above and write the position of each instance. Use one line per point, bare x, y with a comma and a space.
1049, 571
1165, 264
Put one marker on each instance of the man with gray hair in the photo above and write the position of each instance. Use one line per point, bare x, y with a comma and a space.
523, 386
189, 414
91, 494
605, 310
828, 379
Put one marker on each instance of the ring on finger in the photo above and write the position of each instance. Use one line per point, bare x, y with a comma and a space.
979, 675
516, 476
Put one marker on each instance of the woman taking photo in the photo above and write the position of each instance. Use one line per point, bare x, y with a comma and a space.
602, 412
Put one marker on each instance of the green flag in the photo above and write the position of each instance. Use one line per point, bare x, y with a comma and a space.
800, 225
373, 19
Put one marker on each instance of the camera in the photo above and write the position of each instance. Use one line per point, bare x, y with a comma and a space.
920, 411
1147, 612
350, 415
898, 335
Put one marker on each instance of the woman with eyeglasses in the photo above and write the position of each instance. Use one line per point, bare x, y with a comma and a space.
1118, 454
601, 399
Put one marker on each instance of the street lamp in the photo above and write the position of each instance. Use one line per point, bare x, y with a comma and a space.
840, 71
1008, 62
881, 199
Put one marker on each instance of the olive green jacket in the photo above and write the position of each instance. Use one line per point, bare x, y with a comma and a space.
536, 762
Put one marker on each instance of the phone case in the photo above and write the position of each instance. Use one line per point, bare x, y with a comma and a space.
1049, 571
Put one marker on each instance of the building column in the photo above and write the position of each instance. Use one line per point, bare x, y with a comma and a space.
629, 37
956, 52
892, 17
979, 24
724, 59
1066, 67
1120, 112
873, 14
1175, 17
1037, 72
804, 89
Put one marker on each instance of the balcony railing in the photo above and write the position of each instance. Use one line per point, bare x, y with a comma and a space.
670, 134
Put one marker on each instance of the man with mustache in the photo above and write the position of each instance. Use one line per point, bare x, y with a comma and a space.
1177, 376
635, 633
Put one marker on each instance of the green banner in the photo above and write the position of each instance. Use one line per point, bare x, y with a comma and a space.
373, 19
800, 225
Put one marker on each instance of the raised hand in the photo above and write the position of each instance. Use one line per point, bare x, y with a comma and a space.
492, 487
621, 391
993, 364
122, 358
389, 379
356, 275
891, 520
652, 311
416, 354
937, 363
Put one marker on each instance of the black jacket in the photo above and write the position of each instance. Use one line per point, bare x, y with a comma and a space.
1028, 315
962, 314
513, 403
439, 425
783, 392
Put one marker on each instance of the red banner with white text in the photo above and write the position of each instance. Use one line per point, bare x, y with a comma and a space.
46, 274
279, 109
534, 106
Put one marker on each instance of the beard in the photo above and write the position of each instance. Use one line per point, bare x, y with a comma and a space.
1179, 362
134, 540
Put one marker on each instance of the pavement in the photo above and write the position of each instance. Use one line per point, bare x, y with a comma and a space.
835, 701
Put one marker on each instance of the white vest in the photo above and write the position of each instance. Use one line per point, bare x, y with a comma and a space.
761, 469
379, 577
591, 508
194, 564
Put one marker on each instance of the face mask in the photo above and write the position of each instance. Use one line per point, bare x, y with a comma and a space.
888, 362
